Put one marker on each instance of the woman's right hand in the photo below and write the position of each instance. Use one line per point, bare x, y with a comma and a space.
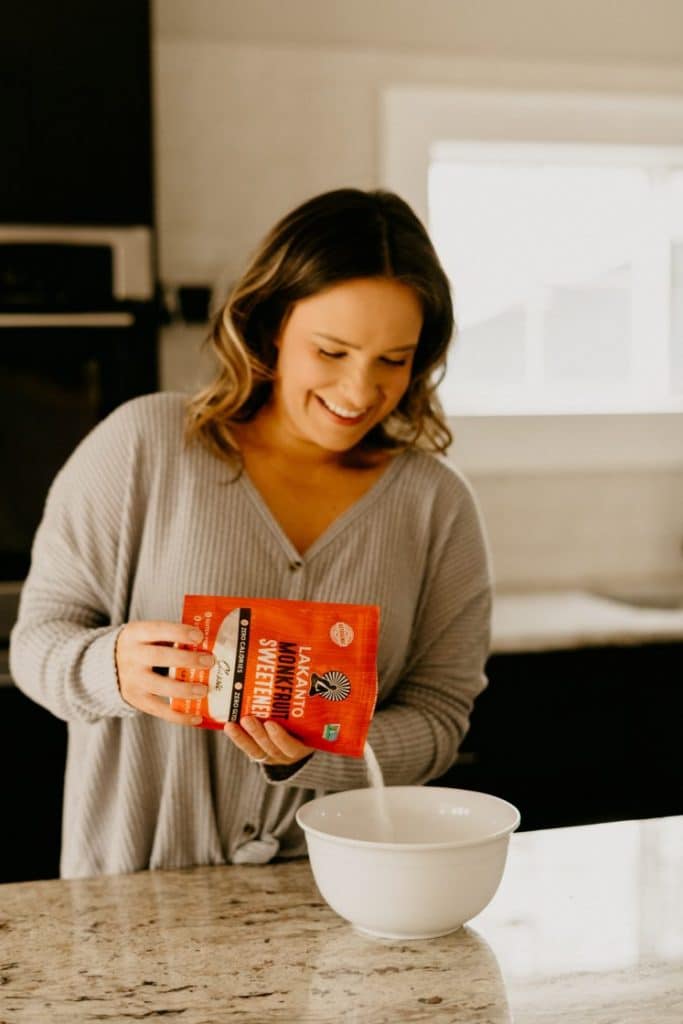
143, 646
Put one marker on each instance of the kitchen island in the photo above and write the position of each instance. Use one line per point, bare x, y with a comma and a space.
586, 928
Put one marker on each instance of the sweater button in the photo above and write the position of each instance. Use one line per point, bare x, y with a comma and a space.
295, 566
249, 830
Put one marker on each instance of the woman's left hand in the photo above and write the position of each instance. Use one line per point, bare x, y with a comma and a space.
266, 742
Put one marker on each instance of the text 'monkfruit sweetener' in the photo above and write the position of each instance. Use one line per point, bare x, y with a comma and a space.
309, 665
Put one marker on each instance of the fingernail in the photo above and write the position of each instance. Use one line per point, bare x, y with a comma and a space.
196, 720
196, 635
206, 659
199, 691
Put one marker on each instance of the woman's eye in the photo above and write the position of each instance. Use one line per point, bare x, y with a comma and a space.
340, 355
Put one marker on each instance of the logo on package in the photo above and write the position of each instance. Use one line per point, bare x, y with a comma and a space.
341, 633
331, 685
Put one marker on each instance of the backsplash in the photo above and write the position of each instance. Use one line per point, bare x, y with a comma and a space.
583, 529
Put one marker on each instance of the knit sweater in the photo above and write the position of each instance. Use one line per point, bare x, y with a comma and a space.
135, 520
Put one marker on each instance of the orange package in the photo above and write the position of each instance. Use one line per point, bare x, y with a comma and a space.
309, 665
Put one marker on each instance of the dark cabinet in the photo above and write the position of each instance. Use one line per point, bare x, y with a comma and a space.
75, 96
32, 757
579, 736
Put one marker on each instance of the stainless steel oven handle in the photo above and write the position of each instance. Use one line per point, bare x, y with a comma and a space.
66, 320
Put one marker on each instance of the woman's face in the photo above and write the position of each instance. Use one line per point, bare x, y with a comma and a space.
344, 362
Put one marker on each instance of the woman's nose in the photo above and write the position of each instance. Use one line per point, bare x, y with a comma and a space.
359, 388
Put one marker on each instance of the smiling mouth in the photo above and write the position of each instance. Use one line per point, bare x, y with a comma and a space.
341, 415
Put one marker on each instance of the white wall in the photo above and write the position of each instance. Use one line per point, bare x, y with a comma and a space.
257, 110
245, 131
598, 30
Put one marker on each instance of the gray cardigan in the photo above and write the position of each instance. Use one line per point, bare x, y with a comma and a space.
135, 520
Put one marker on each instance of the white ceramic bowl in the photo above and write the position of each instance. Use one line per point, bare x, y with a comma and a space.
408, 862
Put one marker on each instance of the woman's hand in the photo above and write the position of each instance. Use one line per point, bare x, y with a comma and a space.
266, 742
143, 646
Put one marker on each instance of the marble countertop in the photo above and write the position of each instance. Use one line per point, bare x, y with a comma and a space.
562, 619
586, 928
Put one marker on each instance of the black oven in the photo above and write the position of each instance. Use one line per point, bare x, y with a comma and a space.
78, 336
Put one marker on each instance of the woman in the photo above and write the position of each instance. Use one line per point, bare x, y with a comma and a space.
307, 470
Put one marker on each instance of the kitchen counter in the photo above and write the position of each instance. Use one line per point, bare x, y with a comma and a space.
556, 620
585, 929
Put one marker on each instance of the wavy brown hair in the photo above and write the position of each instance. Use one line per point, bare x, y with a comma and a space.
334, 237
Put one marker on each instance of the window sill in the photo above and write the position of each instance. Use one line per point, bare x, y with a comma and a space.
609, 442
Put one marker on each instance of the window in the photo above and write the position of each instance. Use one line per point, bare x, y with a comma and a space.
572, 356
567, 268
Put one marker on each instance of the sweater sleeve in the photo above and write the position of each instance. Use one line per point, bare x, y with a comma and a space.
418, 728
73, 602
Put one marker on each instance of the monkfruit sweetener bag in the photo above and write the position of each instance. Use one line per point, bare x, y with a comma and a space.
309, 665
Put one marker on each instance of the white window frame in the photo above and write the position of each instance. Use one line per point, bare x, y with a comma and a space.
415, 118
